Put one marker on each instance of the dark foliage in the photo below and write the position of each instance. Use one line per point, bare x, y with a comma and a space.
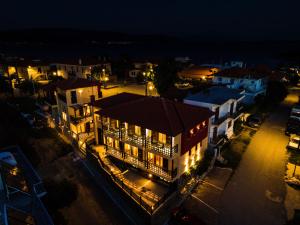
166, 75
276, 92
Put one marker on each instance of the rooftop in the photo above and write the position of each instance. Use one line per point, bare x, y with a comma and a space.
116, 100
250, 73
159, 114
20, 190
76, 83
216, 95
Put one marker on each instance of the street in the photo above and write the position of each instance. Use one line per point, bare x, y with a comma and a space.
256, 192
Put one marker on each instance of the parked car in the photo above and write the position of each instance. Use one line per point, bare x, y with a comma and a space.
292, 126
294, 142
254, 121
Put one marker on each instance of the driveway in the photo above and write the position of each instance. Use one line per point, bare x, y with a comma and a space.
204, 202
256, 191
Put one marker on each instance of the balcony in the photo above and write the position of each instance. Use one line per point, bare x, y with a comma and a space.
162, 149
235, 115
142, 164
221, 119
80, 119
113, 133
165, 150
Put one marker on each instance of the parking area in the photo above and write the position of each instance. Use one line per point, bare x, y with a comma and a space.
204, 203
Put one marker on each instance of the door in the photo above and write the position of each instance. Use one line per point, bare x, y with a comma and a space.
215, 133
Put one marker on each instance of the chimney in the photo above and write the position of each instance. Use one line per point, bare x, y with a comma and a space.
79, 61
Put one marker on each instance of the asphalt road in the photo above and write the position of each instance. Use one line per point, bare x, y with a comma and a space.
256, 192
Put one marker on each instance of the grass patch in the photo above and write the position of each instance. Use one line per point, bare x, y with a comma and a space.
233, 150
202, 165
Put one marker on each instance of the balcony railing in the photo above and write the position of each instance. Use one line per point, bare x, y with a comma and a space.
113, 133
142, 164
80, 119
235, 115
221, 119
165, 150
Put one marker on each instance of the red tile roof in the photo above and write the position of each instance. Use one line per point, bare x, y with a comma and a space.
76, 83
159, 114
116, 100
251, 73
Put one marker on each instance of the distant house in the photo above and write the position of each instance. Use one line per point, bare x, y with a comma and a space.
226, 105
82, 68
139, 67
250, 80
198, 72
28, 69
160, 137
21, 190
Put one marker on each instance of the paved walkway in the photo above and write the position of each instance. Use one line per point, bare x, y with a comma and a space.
256, 192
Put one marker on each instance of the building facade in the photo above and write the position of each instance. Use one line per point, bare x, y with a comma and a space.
252, 82
161, 137
73, 109
79, 69
226, 105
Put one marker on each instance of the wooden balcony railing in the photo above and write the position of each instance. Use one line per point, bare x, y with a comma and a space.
142, 164
165, 150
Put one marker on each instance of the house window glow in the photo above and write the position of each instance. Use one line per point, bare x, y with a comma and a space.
137, 130
64, 116
162, 138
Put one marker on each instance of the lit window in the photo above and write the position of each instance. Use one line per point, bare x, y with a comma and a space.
162, 138
64, 116
134, 151
137, 130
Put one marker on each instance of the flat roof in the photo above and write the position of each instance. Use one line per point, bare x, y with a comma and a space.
216, 95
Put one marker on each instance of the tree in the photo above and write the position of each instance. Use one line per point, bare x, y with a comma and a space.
165, 75
97, 72
276, 92
4, 85
29, 86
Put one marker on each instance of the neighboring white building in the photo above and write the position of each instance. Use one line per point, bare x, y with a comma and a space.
139, 67
74, 99
251, 81
225, 103
79, 69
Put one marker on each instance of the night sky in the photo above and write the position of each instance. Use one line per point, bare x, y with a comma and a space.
238, 19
